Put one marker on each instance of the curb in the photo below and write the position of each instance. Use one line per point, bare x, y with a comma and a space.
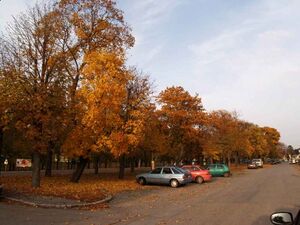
62, 206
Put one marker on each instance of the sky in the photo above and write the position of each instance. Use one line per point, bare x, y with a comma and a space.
241, 56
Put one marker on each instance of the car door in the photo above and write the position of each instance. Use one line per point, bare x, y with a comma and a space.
212, 170
154, 175
219, 170
166, 175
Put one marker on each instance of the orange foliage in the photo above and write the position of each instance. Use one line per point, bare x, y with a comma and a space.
91, 188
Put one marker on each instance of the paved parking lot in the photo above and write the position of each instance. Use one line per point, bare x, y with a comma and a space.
247, 198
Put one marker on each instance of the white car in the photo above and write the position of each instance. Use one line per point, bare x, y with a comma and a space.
258, 162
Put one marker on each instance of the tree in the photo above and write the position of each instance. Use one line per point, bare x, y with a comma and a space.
290, 151
134, 111
89, 27
181, 116
225, 127
272, 137
99, 101
34, 67
6, 95
258, 141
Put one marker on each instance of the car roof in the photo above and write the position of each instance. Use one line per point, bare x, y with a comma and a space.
167, 167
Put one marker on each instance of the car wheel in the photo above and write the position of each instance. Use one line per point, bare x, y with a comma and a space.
226, 174
174, 183
199, 180
142, 181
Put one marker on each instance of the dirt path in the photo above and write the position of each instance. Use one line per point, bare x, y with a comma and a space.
247, 198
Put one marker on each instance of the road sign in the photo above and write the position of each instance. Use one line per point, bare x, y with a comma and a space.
23, 163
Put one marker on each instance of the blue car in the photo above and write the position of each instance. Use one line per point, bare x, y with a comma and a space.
169, 175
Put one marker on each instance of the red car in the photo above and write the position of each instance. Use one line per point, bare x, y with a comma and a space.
199, 174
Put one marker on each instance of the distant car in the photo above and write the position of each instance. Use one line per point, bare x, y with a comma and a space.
245, 161
252, 165
219, 169
199, 174
170, 175
259, 162
275, 161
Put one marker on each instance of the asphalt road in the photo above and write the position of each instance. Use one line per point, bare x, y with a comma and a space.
244, 199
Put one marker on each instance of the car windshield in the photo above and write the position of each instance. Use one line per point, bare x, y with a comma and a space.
178, 170
211, 166
199, 168
187, 168
156, 171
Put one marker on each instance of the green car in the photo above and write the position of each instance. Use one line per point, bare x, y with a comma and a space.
219, 169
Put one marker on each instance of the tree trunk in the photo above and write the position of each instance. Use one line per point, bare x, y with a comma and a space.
79, 170
97, 159
36, 170
1, 146
48, 171
132, 164
236, 158
122, 166
57, 161
229, 162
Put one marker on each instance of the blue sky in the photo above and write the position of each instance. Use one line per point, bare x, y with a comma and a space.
237, 55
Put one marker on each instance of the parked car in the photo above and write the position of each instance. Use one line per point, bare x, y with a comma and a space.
286, 218
171, 175
252, 165
259, 162
198, 173
275, 161
219, 169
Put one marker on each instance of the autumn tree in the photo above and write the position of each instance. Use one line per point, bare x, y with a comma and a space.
5, 105
228, 137
272, 137
34, 68
89, 27
258, 142
181, 116
102, 92
280, 151
224, 124
134, 111
290, 151
154, 143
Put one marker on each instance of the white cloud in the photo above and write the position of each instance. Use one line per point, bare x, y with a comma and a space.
146, 17
151, 12
255, 69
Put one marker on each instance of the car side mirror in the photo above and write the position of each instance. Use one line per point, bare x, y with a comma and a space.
282, 218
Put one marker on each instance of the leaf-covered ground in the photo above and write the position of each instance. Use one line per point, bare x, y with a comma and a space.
90, 188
